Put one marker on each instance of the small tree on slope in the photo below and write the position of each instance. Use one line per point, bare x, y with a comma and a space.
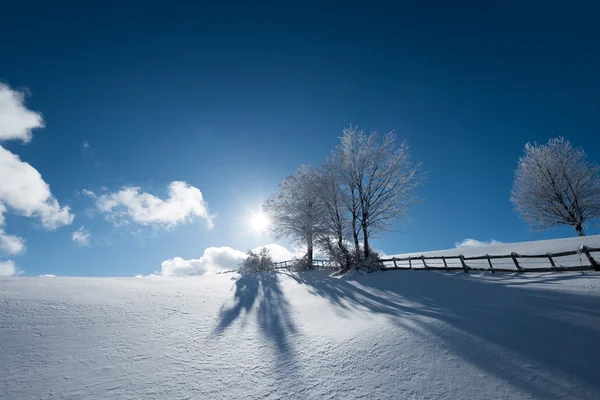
554, 185
256, 261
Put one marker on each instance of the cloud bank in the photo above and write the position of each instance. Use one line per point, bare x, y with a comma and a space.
130, 204
217, 259
214, 259
470, 243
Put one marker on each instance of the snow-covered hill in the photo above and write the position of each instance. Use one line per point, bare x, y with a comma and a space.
397, 334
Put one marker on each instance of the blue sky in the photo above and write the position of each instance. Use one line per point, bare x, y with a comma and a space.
233, 98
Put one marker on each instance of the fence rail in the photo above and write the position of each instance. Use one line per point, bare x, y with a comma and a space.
552, 259
515, 262
291, 263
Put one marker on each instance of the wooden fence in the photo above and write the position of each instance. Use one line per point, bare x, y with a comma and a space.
292, 263
553, 262
516, 262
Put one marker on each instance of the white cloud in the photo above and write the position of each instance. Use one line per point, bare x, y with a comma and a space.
88, 193
81, 236
85, 144
214, 259
22, 189
8, 268
280, 253
25, 192
16, 121
11, 244
217, 259
131, 204
468, 243
47, 276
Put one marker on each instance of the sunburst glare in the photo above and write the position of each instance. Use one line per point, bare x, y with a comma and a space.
259, 222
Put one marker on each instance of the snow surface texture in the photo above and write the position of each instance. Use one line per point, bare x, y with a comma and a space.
396, 334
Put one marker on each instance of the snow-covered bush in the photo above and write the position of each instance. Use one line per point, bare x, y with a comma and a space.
256, 261
369, 264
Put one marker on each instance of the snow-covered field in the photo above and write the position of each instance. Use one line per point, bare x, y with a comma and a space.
397, 334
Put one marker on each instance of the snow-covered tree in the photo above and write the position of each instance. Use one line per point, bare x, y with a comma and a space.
554, 185
379, 179
256, 261
333, 220
295, 209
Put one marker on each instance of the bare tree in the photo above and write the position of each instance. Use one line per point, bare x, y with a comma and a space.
295, 209
379, 178
555, 185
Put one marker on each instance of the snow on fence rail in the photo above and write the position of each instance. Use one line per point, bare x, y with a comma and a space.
500, 263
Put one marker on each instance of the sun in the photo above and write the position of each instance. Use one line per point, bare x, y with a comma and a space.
259, 222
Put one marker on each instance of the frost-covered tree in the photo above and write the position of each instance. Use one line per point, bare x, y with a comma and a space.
379, 179
256, 261
342, 167
295, 209
333, 220
554, 185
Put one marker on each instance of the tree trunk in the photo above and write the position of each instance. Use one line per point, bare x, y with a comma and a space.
355, 236
309, 252
345, 256
579, 229
365, 241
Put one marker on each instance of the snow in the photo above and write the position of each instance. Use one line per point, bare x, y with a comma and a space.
395, 334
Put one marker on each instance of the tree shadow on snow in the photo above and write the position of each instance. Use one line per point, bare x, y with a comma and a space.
262, 291
246, 291
542, 341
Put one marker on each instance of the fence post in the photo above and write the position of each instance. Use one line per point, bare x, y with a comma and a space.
464, 265
593, 262
445, 264
490, 262
549, 255
514, 256
423, 259
409, 263
394, 260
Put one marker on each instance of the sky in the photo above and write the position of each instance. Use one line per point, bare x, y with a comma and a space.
149, 135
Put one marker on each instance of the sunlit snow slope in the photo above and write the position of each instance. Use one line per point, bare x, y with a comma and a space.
396, 334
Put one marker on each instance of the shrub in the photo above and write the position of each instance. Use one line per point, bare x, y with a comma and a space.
256, 261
